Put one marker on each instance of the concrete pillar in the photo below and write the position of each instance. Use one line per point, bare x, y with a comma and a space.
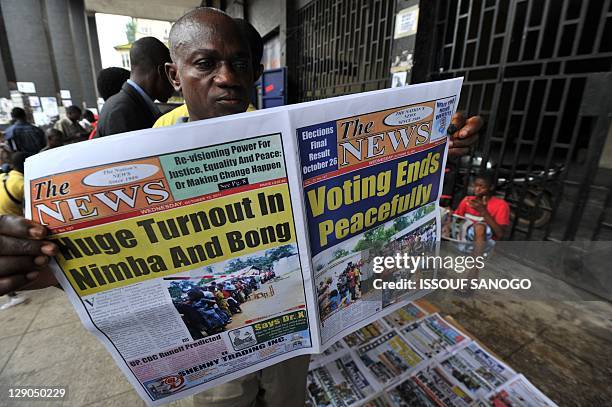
7, 71
4, 89
94, 44
28, 45
80, 38
47, 42
62, 48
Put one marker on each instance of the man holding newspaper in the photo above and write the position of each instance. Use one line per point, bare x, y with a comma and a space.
212, 67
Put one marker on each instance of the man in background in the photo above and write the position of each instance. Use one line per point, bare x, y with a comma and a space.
133, 108
55, 139
70, 126
110, 80
23, 136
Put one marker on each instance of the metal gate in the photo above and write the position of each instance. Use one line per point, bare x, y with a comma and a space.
342, 47
527, 65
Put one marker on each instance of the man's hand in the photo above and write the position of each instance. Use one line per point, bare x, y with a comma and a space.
464, 135
24, 255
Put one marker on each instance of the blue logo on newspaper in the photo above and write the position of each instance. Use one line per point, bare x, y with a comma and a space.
442, 117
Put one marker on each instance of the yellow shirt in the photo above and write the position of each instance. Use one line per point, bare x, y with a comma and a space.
174, 116
14, 186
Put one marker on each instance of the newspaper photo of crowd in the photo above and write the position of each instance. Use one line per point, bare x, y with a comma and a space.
341, 289
207, 307
420, 241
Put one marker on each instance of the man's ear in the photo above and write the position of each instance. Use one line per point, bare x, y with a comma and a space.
173, 76
257, 73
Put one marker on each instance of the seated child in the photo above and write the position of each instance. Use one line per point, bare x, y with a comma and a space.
490, 215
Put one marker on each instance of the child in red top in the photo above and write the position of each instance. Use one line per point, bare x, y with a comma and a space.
490, 214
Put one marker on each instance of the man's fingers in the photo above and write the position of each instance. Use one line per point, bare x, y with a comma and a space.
12, 246
460, 143
22, 265
471, 127
18, 226
12, 283
458, 152
457, 122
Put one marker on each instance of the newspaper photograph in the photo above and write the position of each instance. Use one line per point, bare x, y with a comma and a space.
433, 336
518, 392
441, 388
339, 383
476, 370
366, 334
410, 394
389, 357
407, 314
223, 246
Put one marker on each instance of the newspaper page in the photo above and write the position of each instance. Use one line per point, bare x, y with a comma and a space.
182, 254
518, 392
476, 370
339, 383
433, 336
372, 174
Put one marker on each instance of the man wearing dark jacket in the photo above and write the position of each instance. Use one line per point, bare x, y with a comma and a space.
133, 108
23, 136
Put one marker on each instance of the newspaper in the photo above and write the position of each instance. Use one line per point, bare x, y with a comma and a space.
453, 371
203, 252
518, 392
478, 372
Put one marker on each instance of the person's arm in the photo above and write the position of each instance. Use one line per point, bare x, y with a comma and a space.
24, 255
113, 122
480, 207
461, 208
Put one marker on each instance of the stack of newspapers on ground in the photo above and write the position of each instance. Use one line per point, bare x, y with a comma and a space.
414, 358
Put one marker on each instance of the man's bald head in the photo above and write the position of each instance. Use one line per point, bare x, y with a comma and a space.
198, 26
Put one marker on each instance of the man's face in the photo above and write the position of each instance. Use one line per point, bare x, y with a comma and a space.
54, 141
213, 69
73, 115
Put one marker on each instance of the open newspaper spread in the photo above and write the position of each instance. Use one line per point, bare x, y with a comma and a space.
202, 252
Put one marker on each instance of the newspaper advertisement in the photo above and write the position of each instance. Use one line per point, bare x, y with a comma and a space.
197, 257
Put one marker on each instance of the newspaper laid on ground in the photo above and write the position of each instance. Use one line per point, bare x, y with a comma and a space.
202, 252
415, 358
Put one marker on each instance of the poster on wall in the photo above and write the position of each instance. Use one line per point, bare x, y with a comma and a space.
26, 87
34, 102
406, 22
49, 106
6, 105
398, 79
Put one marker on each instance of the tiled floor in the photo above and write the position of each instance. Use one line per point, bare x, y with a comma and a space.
43, 343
